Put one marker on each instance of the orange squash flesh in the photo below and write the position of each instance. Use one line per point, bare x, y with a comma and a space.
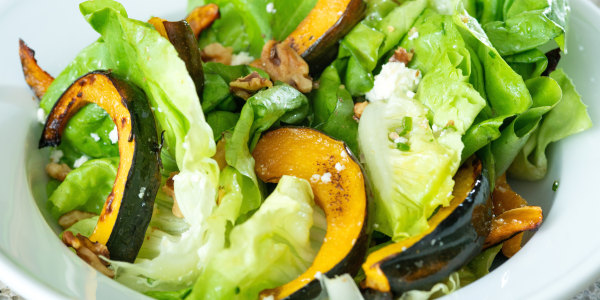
202, 17
504, 199
512, 222
37, 79
159, 26
128, 208
316, 37
102, 94
338, 186
375, 278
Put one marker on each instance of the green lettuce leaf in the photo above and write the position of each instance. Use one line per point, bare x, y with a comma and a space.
546, 93
84, 227
261, 255
136, 52
246, 25
333, 109
281, 103
568, 117
85, 188
526, 25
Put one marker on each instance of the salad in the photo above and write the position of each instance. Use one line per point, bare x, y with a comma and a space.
340, 149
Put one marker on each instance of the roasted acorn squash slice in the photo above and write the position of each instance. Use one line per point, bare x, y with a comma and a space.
182, 37
456, 234
316, 37
128, 208
37, 79
339, 188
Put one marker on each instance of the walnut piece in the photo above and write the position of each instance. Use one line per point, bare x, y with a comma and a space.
169, 189
89, 252
401, 55
359, 107
67, 220
57, 171
215, 52
245, 87
282, 63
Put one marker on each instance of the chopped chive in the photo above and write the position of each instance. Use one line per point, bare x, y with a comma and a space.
403, 147
406, 126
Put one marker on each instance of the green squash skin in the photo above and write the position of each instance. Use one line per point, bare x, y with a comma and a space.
182, 37
352, 263
322, 52
143, 178
453, 243
135, 212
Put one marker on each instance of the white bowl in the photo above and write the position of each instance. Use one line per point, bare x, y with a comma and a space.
562, 258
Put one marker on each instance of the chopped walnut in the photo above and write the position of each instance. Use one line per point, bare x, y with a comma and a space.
89, 252
401, 55
215, 52
282, 63
244, 87
57, 171
67, 220
169, 189
359, 107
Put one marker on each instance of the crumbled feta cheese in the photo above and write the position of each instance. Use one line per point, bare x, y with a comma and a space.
41, 116
113, 135
343, 154
56, 155
142, 192
270, 297
394, 79
242, 58
413, 34
339, 167
400, 139
95, 136
318, 275
326, 178
315, 178
271, 8
78, 162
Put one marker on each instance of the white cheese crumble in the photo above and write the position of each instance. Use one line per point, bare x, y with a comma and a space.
394, 79
113, 135
242, 58
400, 139
78, 162
142, 192
413, 34
343, 154
95, 136
41, 116
315, 178
339, 167
56, 155
271, 8
326, 178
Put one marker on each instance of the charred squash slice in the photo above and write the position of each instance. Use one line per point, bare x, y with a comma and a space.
202, 17
456, 234
37, 79
316, 37
182, 37
338, 185
128, 208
